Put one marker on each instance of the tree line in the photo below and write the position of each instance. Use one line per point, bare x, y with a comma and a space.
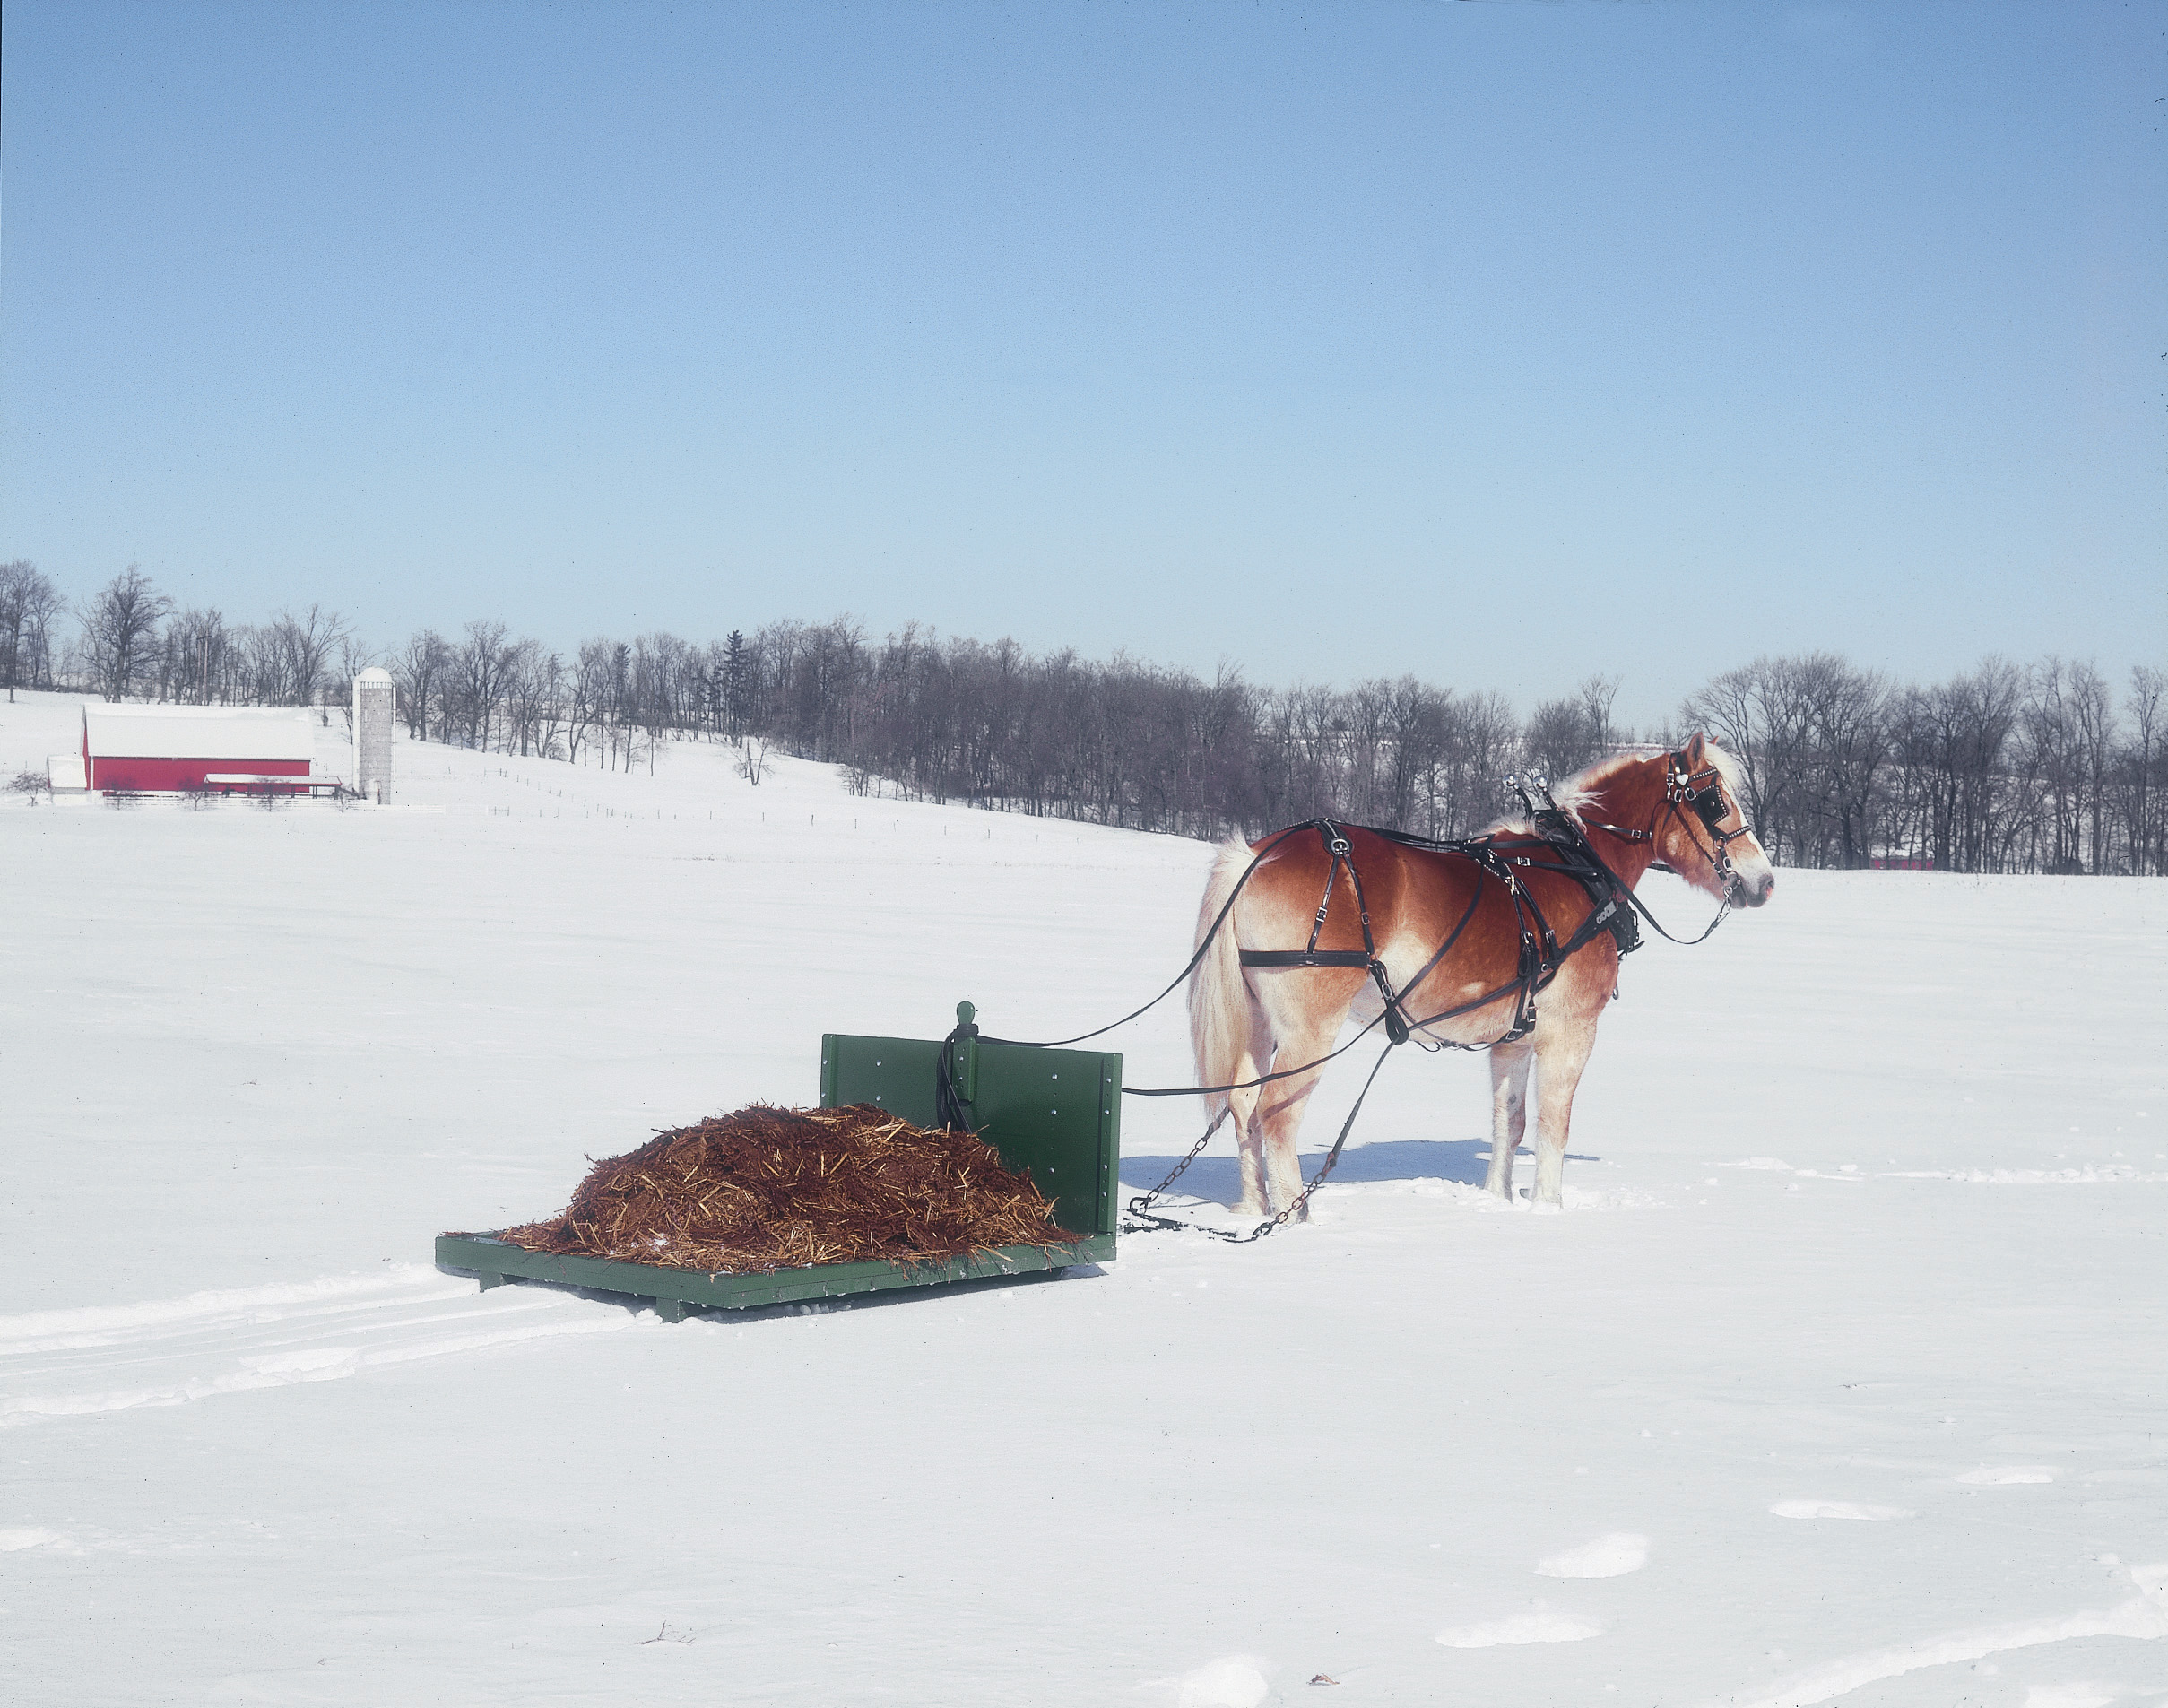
128, 640
2004, 768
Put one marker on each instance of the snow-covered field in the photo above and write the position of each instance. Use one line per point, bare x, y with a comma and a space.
1843, 1379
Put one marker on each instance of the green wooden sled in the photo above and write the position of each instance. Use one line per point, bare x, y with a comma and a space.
1055, 1114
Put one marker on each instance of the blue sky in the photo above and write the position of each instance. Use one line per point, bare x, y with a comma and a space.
1500, 344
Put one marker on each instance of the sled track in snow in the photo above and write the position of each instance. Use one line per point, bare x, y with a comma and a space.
166, 1352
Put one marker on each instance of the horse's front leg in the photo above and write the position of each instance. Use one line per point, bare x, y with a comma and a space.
1562, 1052
1509, 1065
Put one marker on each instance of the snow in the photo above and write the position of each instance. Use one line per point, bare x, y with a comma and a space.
1612, 1556
1840, 1509
252, 1059
1236, 1681
2143, 1616
1541, 1625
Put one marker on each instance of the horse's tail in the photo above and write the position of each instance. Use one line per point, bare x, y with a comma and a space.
1220, 999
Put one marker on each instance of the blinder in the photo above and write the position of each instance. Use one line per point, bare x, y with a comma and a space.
1708, 803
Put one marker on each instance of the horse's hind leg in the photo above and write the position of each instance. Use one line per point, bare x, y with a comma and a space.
1243, 1113
1250, 1143
1281, 1113
1509, 1065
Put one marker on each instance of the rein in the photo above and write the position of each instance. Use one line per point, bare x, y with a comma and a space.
1708, 804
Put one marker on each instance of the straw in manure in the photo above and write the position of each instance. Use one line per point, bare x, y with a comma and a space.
769, 1187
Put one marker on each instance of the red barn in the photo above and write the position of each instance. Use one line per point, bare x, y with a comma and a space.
196, 746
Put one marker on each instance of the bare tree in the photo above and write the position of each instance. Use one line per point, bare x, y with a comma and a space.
587, 695
120, 631
1763, 712
1850, 745
529, 688
421, 670
1596, 695
199, 664
752, 760
41, 605
301, 647
353, 660
2148, 690
1955, 800
2092, 714
1419, 724
481, 667
2066, 730
1561, 738
27, 603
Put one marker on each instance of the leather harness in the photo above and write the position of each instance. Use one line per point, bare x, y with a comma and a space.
1559, 845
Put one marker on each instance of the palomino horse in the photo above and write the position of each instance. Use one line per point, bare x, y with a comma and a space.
1508, 945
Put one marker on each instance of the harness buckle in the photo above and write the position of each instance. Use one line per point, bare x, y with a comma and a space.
1396, 1019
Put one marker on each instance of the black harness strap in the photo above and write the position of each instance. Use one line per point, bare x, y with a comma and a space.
1240, 1085
1341, 855
1538, 960
1336, 849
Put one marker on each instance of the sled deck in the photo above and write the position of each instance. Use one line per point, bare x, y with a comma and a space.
1055, 1114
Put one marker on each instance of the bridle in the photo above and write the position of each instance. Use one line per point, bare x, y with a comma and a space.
1702, 792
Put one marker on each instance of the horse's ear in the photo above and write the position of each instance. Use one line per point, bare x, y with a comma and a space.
1696, 752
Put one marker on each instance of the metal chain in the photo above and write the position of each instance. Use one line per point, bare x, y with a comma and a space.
1302, 1199
1140, 1208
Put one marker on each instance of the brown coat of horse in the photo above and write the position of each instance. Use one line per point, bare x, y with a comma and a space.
1244, 1019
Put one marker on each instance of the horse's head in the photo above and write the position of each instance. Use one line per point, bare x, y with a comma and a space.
1702, 834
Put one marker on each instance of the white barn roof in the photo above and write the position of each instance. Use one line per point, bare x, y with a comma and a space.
199, 732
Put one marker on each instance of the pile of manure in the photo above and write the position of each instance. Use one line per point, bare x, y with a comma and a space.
768, 1188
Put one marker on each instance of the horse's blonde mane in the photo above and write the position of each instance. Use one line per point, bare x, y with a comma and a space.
1573, 794
1576, 792
1727, 767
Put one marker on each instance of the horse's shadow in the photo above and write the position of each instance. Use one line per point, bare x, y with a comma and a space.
1463, 1160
